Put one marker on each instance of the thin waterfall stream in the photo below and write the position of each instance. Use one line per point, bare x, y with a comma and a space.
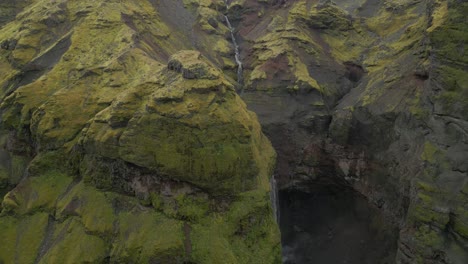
236, 48
274, 198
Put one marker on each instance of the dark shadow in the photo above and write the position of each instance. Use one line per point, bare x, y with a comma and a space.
334, 225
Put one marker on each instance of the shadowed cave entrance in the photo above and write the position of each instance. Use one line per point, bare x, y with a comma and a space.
330, 224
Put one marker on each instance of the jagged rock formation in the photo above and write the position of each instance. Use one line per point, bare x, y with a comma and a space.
124, 139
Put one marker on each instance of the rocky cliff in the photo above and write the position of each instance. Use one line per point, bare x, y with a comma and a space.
121, 146
127, 135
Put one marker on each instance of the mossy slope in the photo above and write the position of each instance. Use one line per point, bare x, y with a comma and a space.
139, 145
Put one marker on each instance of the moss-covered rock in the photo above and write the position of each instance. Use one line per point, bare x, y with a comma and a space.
178, 129
191, 66
132, 135
106, 225
122, 137
22, 238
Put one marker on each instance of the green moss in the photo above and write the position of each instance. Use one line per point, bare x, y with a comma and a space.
8, 229
439, 15
428, 237
45, 162
427, 187
256, 235
21, 238
348, 47
435, 157
424, 210
329, 16
303, 77
446, 35
98, 214
36, 193
75, 246
147, 235
381, 24
190, 117
455, 82
93, 206
169, 207
417, 109
461, 227
247, 233
116, 101
184, 157
192, 208
191, 151
257, 74
9, 204
412, 35
222, 46
426, 199
31, 233
210, 244
57, 117
429, 152
95, 172
156, 201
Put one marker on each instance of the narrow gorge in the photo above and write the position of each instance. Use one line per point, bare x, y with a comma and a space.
234, 131
240, 78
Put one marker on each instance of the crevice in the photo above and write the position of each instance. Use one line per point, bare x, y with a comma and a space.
47, 242
38, 67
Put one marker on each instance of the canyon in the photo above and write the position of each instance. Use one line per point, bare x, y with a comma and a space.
234, 131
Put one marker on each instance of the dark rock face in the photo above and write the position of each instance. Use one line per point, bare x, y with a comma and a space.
329, 224
388, 124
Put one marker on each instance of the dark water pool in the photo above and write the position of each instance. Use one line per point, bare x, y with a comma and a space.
333, 226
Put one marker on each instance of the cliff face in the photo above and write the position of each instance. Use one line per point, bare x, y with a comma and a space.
372, 95
386, 113
122, 146
124, 138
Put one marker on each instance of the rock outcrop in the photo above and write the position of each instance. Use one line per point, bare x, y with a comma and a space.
114, 151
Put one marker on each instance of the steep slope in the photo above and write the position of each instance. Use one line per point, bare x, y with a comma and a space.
121, 146
124, 138
370, 95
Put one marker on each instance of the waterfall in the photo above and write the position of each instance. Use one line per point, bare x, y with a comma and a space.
274, 198
236, 48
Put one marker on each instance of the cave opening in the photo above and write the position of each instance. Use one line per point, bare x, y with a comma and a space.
333, 224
